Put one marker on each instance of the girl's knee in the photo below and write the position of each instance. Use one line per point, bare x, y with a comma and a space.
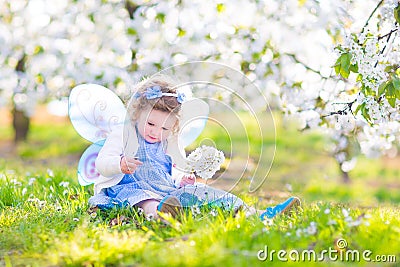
149, 206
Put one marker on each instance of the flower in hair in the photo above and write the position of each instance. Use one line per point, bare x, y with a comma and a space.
181, 97
155, 92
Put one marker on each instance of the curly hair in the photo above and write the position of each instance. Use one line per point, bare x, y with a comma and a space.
168, 104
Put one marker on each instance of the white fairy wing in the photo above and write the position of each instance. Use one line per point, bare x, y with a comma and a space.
87, 172
94, 110
194, 116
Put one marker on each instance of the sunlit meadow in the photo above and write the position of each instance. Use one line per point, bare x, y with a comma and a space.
45, 219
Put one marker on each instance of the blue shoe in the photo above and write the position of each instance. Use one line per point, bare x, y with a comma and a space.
171, 205
283, 207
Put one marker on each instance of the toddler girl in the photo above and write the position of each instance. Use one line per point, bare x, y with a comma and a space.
140, 161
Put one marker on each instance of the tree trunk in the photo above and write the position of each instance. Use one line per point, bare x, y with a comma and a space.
20, 124
20, 120
345, 176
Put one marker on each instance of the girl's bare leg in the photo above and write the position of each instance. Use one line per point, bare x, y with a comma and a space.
251, 211
149, 206
170, 205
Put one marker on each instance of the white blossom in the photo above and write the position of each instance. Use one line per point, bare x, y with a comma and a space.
140, 211
24, 190
348, 165
213, 213
150, 217
268, 222
16, 182
68, 43
64, 184
312, 229
195, 210
50, 173
31, 180
51, 35
332, 222
205, 161
345, 213
299, 232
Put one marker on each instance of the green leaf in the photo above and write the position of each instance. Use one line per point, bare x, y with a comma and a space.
382, 88
160, 17
131, 31
181, 32
345, 65
38, 49
337, 66
342, 65
396, 13
359, 107
220, 7
389, 68
368, 91
390, 94
364, 113
354, 68
396, 85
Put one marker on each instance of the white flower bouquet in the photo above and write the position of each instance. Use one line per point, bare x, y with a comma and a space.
205, 161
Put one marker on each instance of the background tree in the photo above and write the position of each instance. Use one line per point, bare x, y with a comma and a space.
285, 47
47, 47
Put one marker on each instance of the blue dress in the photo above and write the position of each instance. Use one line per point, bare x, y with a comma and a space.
153, 180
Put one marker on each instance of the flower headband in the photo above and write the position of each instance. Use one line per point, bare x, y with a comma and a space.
155, 92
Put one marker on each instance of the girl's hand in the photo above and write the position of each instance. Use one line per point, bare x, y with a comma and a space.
188, 179
129, 164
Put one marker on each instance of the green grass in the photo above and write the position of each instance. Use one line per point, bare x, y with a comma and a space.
47, 141
45, 220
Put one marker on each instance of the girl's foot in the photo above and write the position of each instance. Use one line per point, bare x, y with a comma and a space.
170, 205
281, 208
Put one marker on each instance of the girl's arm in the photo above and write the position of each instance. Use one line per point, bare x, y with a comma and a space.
109, 158
178, 158
178, 176
188, 179
181, 178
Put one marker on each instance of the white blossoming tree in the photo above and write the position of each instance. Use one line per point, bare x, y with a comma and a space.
369, 60
286, 48
48, 46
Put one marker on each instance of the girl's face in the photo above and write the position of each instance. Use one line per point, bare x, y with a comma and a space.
155, 125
